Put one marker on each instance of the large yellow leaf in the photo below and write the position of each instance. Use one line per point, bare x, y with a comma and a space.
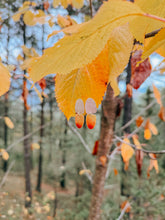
83, 47
120, 47
84, 83
4, 79
142, 25
78, 3
154, 44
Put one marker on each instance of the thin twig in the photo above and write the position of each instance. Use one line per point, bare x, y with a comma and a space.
87, 174
6, 174
145, 151
79, 136
111, 157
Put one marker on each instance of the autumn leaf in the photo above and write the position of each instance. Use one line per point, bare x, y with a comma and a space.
78, 3
139, 161
90, 81
136, 141
153, 164
147, 134
145, 25
4, 79
126, 150
157, 41
35, 146
140, 72
157, 95
91, 121
42, 83
25, 94
95, 148
115, 171
8, 122
4, 153
161, 113
84, 171
84, 46
129, 90
103, 160
128, 206
139, 121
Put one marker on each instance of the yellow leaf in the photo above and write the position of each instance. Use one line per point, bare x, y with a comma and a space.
84, 171
4, 153
78, 3
120, 47
35, 146
62, 21
157, 41
157, 95
84, 46
28, 18
126, 150
146, 25
4, 79
153, 164
56, 3
136, 142
21, 10
8, 122
153, 128
88, 82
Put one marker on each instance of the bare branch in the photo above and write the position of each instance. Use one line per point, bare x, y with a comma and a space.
145, 151
79, 136
6, 174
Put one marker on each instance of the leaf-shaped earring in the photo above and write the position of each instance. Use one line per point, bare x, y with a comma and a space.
79, 109
90, 108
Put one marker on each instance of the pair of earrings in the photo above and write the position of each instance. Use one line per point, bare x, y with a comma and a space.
90, 109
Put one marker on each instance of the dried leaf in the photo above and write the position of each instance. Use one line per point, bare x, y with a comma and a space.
129, 90
124, 204
95, 148
115, 171
103, 160
84, 171
139, 121
157, 95
35, 146
8, 122
42, 83
161, 113
139, 161
153, 164
4, 153
141, 71
147, 134
153, 129
4, 79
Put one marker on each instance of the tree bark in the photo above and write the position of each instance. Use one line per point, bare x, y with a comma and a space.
107, 126
39, 178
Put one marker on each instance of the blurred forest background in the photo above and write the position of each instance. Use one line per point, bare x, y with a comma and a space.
61, 161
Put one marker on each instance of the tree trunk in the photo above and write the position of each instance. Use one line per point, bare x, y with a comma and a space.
5, 163
107, 126
126, 118
40, 161
51, 126
28, 191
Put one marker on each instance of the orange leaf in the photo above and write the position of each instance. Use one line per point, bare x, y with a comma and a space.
79, 120
115, 171
42, 83
126, 150
25, 95
91, 121
161, 113
139, 121
8, 122
103, 160
124, 204
46, 5
157, 95
147, 134
129, 90
126, 165
95, 148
